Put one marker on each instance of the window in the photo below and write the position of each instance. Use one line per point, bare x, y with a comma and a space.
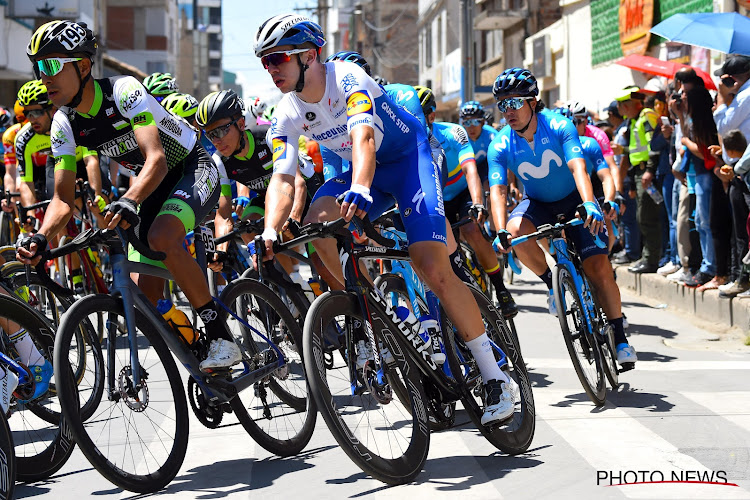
156, 67
214, 41
214, 15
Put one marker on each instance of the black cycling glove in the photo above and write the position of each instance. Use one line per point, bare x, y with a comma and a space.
477, 210
39, 239
127, 209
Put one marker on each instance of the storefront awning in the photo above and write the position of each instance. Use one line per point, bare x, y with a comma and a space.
122, 68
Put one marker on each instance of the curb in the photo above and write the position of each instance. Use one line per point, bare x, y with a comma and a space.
706, 305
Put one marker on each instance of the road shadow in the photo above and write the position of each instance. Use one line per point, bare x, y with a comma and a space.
625, 396
538, 380
654, 356
650, 330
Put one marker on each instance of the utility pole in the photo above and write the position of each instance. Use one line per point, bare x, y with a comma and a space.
466, 21
377, 69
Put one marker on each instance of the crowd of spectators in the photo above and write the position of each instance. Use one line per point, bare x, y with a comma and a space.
684, 164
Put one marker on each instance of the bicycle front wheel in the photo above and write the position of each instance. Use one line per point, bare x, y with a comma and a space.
277, 411
376, 430
138, 437
583, 347
7, 460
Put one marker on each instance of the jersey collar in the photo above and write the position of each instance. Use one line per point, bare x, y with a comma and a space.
96, 106
250, 148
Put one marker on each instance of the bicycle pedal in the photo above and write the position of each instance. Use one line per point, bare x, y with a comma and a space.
626, 367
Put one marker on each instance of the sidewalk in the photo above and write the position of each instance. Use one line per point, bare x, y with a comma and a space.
707, 306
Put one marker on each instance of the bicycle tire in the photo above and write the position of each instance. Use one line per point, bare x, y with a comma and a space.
8, 252
516, 435
586, 355
7, 460
284, 425
41, 448
390, 283
162, 378
606, 337
410, 430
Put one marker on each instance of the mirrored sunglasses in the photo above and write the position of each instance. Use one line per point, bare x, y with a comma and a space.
472, 122
219, 131
279, 58
52, 66
513, 103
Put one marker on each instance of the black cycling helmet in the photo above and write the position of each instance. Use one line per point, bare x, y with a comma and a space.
427, 99
349, 56
218, 105
515, 81
63, 37
380, 80
471, 109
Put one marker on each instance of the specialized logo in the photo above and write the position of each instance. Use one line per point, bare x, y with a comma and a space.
527, 170
358, 102
417, 199
279, 148
407, 212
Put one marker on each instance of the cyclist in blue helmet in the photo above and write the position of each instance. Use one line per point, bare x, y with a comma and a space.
544, 150
349, 56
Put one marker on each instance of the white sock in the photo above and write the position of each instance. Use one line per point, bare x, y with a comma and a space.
28, 352
484, 355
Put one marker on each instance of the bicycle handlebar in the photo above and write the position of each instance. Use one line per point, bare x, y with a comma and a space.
246, 226
548, 230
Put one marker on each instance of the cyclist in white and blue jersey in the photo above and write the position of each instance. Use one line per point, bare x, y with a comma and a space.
544, 151
342, 108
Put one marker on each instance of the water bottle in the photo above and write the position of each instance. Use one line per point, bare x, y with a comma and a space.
431, 331
655, 194
426, 326
315, 286
177, 320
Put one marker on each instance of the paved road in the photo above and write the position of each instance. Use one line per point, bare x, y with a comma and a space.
683, 414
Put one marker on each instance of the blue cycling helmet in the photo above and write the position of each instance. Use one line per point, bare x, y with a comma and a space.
565, 111
288, 29
349, 56
471, 109
515, 81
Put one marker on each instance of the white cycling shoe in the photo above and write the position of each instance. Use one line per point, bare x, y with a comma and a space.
626, 354
222, 354
499, 402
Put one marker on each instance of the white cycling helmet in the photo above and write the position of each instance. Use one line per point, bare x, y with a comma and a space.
256, 107
577, 108
288, 29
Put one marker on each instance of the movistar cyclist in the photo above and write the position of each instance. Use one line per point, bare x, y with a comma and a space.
176, 183
345, 110
544, 151
464, 197
160, 85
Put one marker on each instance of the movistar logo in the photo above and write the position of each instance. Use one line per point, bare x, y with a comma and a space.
527, 170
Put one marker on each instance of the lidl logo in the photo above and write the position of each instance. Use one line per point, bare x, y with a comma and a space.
279, 148
359, 102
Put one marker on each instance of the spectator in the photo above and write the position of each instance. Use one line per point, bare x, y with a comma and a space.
700, 134
733, 100
739, 200
643, 161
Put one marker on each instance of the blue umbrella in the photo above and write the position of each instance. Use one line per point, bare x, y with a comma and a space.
727, 32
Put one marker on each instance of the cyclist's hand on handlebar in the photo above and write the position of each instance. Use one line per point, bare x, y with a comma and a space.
5, 206
356, 201
594, 217
478, 212
614, 209
29, 249
501, 243
123, 212
216, 261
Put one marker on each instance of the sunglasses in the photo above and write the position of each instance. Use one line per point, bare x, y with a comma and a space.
279, 58
514, 103
578, 121
52, 66
473, 122
219, 132
34, 113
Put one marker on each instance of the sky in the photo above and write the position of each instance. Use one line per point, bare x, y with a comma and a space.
240, 21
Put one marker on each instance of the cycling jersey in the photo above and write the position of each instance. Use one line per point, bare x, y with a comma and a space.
455, 142
121, 105
254, 170
592, 153
29, 143
404, 166
9, 144
543, 166
601, 137
480, 147
406, 97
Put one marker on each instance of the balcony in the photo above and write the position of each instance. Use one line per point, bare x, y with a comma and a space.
500, 14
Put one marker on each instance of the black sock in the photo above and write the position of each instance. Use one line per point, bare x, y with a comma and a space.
619, 331
547, 278
216, 328
497, 279
459, 268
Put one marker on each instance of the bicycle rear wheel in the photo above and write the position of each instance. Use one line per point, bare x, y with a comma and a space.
7, 460
276, 411
379, 434
515, 435
606, 337
138, 437
583, 348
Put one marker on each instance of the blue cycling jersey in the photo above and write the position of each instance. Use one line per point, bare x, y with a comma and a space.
406, 97
592, 153
481, 145
455, 142
542, 167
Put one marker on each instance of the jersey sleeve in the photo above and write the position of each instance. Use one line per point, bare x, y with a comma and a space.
406, 97
601, 139
133, 102
496, 160
359, 90
594, 153
226, 186
461, 138
284, 141
63, 142
571, 144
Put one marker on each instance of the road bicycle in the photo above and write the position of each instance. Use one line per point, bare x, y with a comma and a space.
386, 436
138, 438
588, 335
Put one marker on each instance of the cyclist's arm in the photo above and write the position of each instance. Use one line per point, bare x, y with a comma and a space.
577, 167
499, 197
300, 197
223, 223
498, 179
608, 183
363, 155
93, 172
28, 193
469, 165
279, 201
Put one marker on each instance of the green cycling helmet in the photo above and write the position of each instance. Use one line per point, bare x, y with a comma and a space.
183, 105
33, 92
160, 84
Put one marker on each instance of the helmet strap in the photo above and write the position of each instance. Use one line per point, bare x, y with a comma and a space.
526, 127
79, 95
242, 142
302, 69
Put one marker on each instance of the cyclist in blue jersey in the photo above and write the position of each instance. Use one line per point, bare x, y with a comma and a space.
464, 197
342, 108
544, 151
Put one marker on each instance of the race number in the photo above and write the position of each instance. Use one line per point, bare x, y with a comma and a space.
207, 236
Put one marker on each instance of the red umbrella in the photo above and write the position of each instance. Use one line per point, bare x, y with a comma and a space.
659, 67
